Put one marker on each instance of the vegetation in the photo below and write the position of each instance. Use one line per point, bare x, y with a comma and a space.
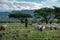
17, 31
57, 12
44, 12
20, 16
48, 13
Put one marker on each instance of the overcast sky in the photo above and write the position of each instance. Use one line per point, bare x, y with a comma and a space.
9, 5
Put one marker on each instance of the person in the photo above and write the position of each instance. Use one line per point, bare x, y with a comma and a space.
26, 22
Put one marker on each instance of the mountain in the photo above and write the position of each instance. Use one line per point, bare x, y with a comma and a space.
24, 11
4, 15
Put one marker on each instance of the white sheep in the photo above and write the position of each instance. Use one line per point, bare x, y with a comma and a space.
41, 27
3, 27
38, 26
35, 25
57, 28
49, 27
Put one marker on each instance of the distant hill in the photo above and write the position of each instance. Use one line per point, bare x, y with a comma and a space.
24, 11
4, 15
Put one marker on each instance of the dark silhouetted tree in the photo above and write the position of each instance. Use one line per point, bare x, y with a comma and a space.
57, 12
44, 12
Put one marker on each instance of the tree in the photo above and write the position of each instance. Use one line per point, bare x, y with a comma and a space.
20, 16
57, 12
44, 12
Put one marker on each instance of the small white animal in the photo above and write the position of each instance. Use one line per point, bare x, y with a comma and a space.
3, 27
38, 26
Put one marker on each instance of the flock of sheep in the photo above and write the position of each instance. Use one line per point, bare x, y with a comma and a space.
37, 26
43, 27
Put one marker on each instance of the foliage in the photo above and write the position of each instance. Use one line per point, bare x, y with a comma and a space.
57, 12
44, 12
20, 16
48, 13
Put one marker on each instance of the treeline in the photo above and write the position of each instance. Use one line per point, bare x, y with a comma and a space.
43, 15
47, 15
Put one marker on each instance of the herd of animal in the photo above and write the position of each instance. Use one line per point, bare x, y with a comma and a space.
43, 27
36, 26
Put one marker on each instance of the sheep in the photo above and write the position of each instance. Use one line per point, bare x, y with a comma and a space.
43, 27
35, 25
54, 27
39, 26
49, 27
57, 28
3, 27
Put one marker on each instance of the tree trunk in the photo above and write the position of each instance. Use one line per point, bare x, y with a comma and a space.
41, 21
46, 20
51, 22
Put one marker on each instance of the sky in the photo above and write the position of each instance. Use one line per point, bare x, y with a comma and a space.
9, 5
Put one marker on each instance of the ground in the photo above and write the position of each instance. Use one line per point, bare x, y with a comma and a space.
17, 31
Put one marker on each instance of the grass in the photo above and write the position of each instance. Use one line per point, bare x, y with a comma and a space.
17, 31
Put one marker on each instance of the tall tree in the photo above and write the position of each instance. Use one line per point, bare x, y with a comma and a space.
57, 12
44, 12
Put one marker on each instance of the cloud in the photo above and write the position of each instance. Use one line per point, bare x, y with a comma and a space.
6, 0
50, 3
24, 5
53, 1
3, 0
19, 5
27, 5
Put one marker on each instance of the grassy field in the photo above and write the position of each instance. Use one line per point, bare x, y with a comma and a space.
17, 31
